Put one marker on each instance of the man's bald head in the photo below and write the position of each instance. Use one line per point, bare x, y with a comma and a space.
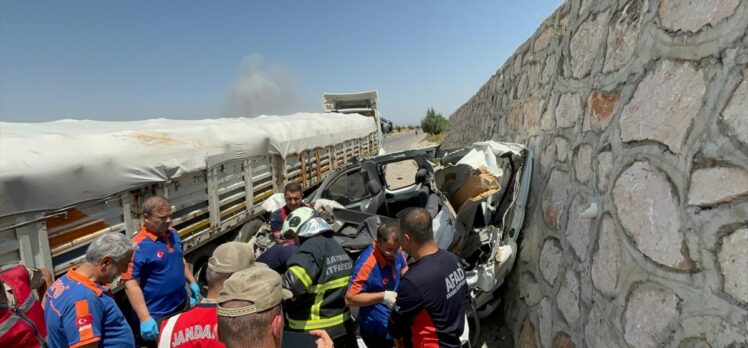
153, 203
416, 222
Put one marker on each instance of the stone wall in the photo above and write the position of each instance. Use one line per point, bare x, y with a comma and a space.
640, 108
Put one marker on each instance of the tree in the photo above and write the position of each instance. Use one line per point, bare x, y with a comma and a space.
434, 122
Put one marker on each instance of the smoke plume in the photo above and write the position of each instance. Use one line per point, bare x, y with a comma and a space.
261, 89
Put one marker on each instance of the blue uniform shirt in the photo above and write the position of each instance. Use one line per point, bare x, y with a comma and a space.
374, 273
159, 264
79, 312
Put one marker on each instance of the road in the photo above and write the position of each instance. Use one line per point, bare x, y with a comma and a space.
401, 174
402, 141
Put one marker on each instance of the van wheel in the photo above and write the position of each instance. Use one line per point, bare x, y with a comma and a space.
248, 230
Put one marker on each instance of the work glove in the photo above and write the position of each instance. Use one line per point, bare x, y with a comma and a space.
194, 294
389, 298
149, 330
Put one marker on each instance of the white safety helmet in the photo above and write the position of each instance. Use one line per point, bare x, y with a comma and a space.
305, 223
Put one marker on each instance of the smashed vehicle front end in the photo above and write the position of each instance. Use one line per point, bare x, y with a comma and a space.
486, 187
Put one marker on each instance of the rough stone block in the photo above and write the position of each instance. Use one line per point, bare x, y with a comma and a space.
555, 197
606, 263
598, 332
530, 110
733, 262
547, 121
664, 105
562, 148
515, 118
527, 336
600, 107
710, 186
604, 170
650, 214
544, 39
650, 309
550, 68
735, 114
694, 342
568, 297
551, 260
521, 86
568, 110
578, 229
529, 289
562, 340
582, 162
545, 321
693, 15
622, 36
548, 156
585, 6
718, 332
533, 77
585, 45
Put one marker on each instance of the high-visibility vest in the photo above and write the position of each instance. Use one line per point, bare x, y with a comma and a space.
22, 318
323, 269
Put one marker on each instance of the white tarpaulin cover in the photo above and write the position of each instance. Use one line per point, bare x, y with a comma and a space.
45, 166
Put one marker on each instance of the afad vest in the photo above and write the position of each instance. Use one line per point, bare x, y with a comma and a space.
22, 318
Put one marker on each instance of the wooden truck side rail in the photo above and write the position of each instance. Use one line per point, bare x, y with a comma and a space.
208, 204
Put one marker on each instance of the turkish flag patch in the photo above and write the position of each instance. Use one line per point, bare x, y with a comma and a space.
160, 254
83, 321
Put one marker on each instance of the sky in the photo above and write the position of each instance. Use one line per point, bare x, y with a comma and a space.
131, 60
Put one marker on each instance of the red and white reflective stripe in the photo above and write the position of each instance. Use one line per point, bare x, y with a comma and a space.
165, 339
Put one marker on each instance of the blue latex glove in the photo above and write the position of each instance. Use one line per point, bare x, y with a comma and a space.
194, 294
149, 330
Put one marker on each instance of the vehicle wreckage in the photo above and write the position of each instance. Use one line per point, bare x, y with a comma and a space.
476, 195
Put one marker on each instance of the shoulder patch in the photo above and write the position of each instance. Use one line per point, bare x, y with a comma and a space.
83, 320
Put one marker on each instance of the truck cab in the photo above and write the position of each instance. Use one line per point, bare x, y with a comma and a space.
362, 103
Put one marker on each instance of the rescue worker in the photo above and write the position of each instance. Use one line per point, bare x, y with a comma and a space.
79, 309
373, 285
250, 310
294, 196
198, 326
430, 307
278, 255
21, 314
155, 279
317, 276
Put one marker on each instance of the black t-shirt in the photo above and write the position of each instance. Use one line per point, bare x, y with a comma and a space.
430, 307
277, 256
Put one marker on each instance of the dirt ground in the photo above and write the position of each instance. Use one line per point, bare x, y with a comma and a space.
493, 332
